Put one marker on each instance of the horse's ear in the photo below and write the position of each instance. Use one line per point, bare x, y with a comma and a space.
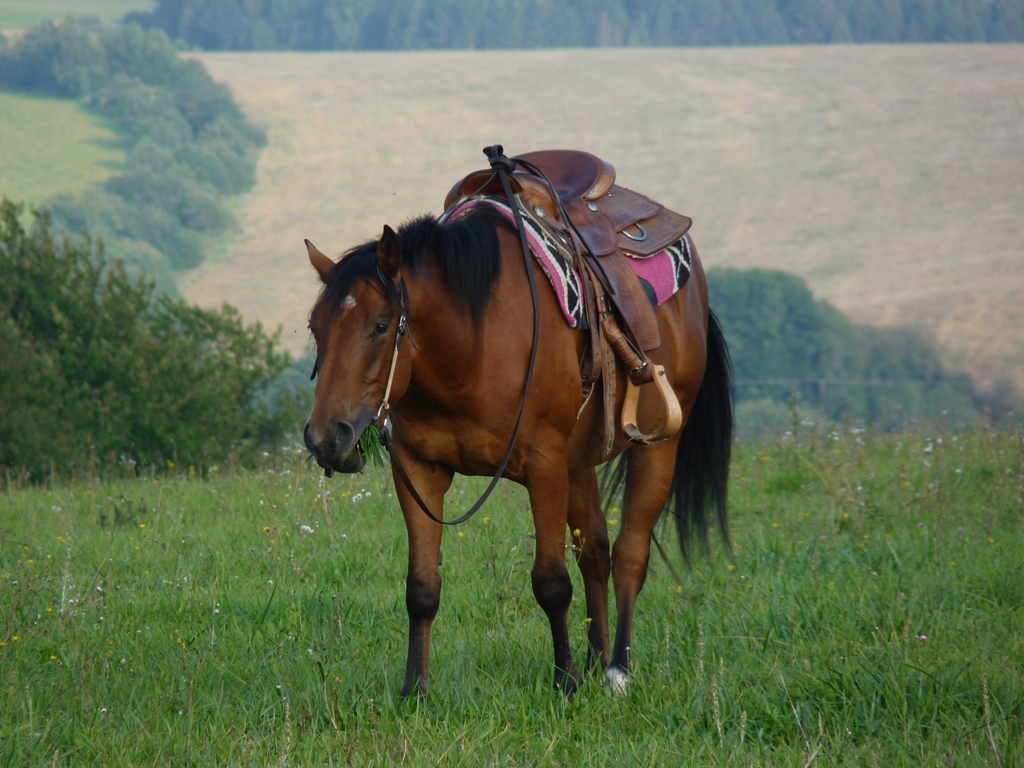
389, 252
321, 263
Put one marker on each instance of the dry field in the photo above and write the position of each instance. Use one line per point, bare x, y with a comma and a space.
890, 177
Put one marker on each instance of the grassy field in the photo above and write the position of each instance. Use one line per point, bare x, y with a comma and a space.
871, 615
24, 14
890, 177
53, 146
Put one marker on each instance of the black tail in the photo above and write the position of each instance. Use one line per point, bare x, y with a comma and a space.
701, 478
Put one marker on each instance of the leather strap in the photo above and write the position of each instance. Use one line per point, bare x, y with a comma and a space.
608, 383
502, 167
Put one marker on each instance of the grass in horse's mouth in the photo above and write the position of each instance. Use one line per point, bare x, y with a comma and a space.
369, 444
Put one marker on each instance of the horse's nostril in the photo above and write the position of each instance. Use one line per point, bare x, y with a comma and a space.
345, 434
330, 443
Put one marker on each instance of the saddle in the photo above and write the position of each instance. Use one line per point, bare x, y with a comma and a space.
606, 222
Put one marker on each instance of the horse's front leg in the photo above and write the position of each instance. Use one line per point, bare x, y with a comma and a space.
423, 583
549, 498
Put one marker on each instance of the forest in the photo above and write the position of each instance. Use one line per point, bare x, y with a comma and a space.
481, 24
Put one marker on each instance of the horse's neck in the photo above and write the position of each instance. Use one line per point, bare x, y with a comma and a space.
445, 342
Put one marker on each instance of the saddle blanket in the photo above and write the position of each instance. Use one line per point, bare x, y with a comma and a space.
661, 274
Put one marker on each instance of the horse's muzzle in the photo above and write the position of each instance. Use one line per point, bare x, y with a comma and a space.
338, 450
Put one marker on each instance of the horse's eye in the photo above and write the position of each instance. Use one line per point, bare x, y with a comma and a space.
381, 329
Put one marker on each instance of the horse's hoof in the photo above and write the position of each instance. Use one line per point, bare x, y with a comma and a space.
618, 680
414, 693
569, 683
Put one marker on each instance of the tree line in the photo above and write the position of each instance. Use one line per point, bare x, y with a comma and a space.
188, 145
784, 343
481, 24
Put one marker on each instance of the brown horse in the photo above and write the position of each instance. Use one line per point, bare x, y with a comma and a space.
455, 396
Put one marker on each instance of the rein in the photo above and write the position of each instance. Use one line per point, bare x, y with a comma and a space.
502, 167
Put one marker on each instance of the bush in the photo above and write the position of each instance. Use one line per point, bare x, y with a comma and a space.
780, 338
96, 368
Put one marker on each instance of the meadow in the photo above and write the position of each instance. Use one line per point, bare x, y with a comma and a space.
24, 14
869, 613
52, 147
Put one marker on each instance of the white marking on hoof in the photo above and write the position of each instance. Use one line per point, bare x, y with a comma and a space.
617, 679
349, 302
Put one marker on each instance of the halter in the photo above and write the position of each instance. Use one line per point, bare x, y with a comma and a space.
502, 167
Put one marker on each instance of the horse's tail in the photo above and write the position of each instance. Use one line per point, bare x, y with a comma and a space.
701, 479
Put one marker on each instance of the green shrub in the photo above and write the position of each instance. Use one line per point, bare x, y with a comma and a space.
96, 368
782, 339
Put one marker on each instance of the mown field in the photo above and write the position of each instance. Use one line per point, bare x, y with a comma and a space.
871, 614
24, 14
51, 147
888, 177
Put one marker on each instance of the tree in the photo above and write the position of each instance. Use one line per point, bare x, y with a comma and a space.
96, 368
780, 337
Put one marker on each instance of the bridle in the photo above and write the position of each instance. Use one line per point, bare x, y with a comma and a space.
502, 166
381, 418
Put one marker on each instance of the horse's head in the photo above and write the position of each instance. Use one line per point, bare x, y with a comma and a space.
354, 323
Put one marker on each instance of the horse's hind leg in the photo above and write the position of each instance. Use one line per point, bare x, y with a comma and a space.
591, 551
423, 583
548, 485
648, 481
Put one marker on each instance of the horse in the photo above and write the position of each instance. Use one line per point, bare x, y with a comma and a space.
460, 291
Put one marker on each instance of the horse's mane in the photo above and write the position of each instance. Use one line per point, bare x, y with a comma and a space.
466, 252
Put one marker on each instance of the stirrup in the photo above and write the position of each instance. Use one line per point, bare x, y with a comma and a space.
673, 419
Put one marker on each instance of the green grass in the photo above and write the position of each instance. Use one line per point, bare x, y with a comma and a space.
53, 146
24, 14
176, 621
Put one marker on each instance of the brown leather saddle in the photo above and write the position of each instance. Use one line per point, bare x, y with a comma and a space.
606, 223
574, 196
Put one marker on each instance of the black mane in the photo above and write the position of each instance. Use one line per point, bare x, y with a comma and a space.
467, 253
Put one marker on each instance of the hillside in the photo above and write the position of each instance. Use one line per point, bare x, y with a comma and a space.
53, 146
889, 177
